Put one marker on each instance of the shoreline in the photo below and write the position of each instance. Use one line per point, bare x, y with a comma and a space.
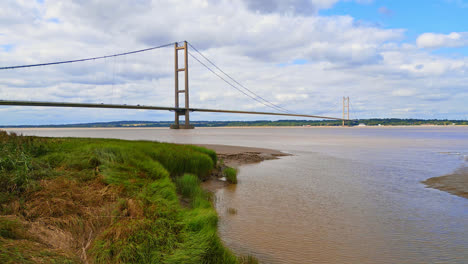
455, 183
236, 156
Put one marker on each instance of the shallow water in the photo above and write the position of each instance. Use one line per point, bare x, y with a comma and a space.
347, 195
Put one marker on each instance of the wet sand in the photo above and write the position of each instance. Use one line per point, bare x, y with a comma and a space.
455, 183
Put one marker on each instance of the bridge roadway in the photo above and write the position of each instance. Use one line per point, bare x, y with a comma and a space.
144, 107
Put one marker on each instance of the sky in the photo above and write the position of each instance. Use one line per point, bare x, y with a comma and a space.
393, 58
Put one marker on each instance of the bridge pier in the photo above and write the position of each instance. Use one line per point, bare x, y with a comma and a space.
177, 125
184, 111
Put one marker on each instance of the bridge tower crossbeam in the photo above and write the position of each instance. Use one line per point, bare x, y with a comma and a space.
185, 111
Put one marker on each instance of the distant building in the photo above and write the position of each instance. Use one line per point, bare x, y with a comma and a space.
361, 124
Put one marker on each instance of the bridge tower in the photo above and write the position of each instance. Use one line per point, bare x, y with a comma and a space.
181, 112
345, 110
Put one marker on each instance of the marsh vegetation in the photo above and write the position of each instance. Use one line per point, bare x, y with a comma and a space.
78, 200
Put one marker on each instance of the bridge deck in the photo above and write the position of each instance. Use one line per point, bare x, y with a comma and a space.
145, 107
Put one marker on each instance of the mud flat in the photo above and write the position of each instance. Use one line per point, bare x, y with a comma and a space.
235, 156
455, 183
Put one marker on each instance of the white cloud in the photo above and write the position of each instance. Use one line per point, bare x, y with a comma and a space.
403, 92
434, 41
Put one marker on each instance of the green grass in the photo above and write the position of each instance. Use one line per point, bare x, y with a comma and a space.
122, 197
231, 175
188, 185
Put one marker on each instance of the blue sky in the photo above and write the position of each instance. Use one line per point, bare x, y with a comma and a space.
405, 59
415, 16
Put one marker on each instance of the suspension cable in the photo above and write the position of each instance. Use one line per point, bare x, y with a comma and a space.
277, 107
87, 59
230, 84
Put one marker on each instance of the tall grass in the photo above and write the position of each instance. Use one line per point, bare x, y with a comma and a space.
188, 185
231, 175
18, 163
209, 152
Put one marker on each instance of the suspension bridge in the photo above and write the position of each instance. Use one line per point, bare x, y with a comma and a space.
178, 109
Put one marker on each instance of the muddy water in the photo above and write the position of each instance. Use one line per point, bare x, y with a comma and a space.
345, 196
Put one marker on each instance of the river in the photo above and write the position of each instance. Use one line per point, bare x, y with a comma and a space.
345, 195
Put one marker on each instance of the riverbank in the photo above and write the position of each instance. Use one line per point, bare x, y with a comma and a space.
82, 200
455, 183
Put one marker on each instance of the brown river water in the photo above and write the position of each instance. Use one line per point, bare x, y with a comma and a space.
346, 195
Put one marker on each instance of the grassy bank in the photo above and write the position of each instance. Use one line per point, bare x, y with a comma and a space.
72, 200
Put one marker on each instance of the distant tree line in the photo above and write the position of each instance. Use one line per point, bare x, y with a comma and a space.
367, 122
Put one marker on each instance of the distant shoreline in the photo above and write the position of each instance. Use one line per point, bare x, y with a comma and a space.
256, 123
227, 127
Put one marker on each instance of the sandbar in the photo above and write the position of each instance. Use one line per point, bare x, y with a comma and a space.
455, 183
